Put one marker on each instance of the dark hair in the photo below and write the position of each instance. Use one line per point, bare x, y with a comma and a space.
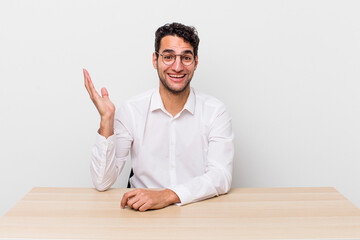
189, 34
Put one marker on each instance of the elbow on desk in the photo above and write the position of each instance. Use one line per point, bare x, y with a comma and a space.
100, 188
100, 184
100, 181
227, 187
220, 182
224, 183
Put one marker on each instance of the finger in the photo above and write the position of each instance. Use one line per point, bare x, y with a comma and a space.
144, 207
104, 93
91, 85
126, 196
138, 204
131, 201
86, 83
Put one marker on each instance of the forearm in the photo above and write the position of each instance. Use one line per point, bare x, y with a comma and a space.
104, 166
213, 183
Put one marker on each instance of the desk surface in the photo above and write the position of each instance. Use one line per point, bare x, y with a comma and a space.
244, 213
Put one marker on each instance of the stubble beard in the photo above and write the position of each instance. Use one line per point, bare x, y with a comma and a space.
174, 91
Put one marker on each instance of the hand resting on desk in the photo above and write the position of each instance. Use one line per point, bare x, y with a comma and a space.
143, 199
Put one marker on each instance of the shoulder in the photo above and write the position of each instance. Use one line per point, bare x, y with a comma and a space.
207, 101
211, 110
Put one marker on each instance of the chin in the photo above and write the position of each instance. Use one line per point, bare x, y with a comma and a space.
178, 90
175, 88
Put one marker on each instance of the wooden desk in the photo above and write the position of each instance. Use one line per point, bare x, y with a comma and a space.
267, 213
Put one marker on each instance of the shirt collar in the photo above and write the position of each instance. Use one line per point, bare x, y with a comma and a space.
156, 102
190, 103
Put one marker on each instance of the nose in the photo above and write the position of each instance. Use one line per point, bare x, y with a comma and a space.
177, 65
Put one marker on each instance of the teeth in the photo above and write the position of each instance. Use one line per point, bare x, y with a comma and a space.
176, 76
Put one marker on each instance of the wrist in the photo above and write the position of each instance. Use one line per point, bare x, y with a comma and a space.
172, 197
106, 127
107, 119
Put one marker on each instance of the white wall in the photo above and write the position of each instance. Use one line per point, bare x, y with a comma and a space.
287, 70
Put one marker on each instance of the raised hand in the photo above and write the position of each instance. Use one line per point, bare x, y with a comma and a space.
103, 104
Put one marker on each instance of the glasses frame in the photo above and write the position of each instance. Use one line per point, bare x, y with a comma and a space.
181, 59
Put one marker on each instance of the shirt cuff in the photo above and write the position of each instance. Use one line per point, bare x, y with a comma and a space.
103, 143
183, 193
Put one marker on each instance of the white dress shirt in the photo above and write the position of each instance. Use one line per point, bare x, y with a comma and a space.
190, 153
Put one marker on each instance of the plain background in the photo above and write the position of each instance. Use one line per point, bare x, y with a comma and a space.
288, 72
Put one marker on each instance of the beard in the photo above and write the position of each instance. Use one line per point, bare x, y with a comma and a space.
172, 90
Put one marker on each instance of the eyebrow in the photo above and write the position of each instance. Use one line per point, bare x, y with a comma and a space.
183, 52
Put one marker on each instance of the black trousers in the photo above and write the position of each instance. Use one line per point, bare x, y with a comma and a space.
131, 174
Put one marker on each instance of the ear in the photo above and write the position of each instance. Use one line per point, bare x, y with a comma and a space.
154, 59
196, 61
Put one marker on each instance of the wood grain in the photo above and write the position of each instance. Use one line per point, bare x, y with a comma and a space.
244, 213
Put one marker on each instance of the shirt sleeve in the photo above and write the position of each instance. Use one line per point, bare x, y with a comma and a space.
218, 174
109, 155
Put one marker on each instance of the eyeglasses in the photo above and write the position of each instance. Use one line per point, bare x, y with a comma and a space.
169, 58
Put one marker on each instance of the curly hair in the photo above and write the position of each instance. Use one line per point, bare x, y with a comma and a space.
189, 34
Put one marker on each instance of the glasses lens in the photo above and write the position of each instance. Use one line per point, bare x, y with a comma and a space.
187, 59
168, 58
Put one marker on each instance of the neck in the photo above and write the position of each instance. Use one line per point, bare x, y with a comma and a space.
174, 102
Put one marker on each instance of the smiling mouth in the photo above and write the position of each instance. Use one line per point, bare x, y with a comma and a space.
176, 76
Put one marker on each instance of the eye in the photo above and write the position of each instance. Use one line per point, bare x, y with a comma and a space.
188, 58
168, 57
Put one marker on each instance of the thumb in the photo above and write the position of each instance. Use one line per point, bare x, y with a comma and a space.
104, 93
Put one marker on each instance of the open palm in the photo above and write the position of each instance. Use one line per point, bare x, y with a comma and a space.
103, 104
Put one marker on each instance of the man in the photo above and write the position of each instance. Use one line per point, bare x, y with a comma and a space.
180, 140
